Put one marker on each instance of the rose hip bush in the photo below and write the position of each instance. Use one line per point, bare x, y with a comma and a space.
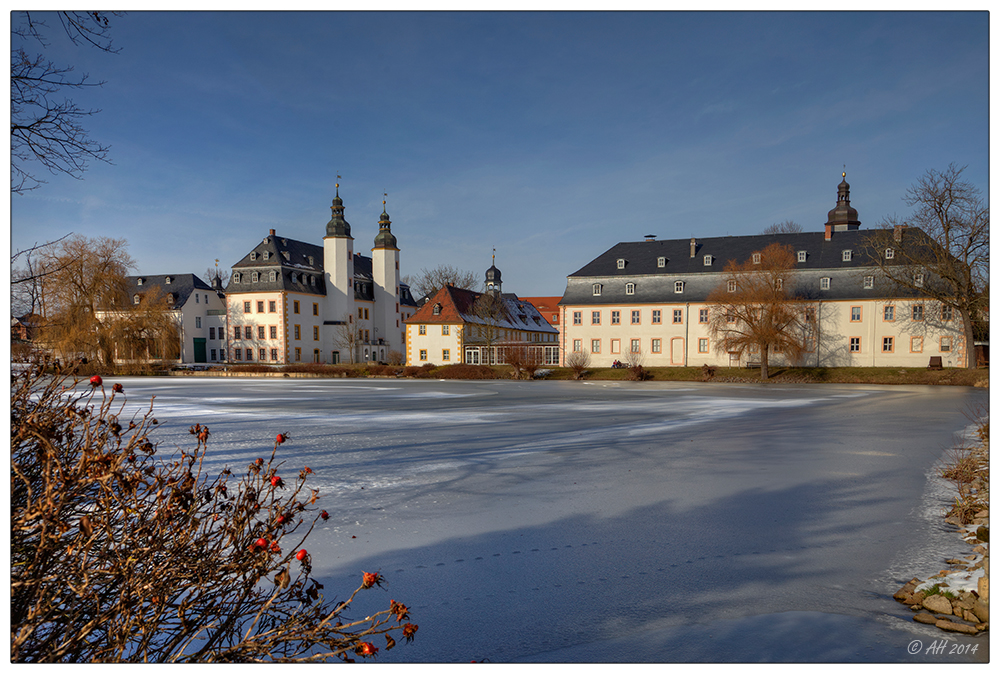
122, 554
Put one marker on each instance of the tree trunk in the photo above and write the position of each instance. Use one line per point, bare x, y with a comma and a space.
970, 337
763, 362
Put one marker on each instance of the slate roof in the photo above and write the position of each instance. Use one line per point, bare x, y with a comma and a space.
547, 306
181, 286
654, 284
456, 307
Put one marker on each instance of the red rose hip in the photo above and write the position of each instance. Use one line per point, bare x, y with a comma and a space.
96, 380
301, 554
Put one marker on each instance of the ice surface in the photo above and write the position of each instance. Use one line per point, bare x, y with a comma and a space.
584, 521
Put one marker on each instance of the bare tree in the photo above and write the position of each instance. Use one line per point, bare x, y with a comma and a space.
578, 362
784, 227
222, 272
45, 126
145, 330
26, 296
942, 249
429, 281
752, 310
87, 279
491, 312
346, 338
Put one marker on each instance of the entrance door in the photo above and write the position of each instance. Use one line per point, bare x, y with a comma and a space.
199, 350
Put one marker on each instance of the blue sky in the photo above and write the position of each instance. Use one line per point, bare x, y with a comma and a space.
550, 136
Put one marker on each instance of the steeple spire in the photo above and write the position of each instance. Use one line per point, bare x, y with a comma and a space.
338, 226
843, 217
384, 238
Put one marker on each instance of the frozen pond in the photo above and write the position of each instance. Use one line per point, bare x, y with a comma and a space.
603, 521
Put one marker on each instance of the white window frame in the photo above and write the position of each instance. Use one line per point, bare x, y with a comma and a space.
890, 253
800, 256
756, 258
630, 289
731, 286
824, 283
845, 256
869, 282
918, 280
236, 277
661, 262
621, 263
597, 290
678, 287
254, 277
707, 260
253, 255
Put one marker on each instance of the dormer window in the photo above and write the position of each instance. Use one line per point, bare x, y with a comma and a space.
170, 298
630, 289
267, 254
253, 255
138, 281
168, 280
621, 263
800, 256
731, 286
236, 277
918, 280
869, 282
597, 289
272, 277
889, 253
661, 262
311, 262
845, 256
824, 283
756, 258
437, 309
678, 286
135, 299
254, 277
284, 254
779, 284
312, 280
708, 260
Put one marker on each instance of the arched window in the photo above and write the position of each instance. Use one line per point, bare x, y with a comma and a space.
135, 299
630, 289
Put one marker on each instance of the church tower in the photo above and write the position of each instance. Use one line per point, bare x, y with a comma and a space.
494, 285
385, 275
338, 264
843, 217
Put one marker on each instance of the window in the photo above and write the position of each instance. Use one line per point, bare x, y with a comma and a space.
779, 284
262, 354
135, 299
630, 289
236, 277
295, 307
298, 354
222, 354
168, 280
678, 316
635, 317
636, 346
756, 258
196, 300
274, 354
271, 306
810, 314
946, 313
260, 306
703, 315
800, 256
272, 276
197, 321
661, 262
595, 317
595, 346
267, 254
918, 280
656, 316
855, 314
917, 312
655, 346
824, 283
845, 256
238, 354
366, 314
445, 354
889, 253
855, 344
237, 333
138, 282
621, 263
254, 278
253, 255
678, 286
597, 289
211, 333
312, 282
315, 333
887, 345
421, 329
730, 316
889, 313
945, 344
211, 354
360, 313
707, 260
260, 332
248, 332
616, 346
577, 318
246, 307
702, 345
731, 286
916, 344
297, 332
315, 309
869, 282
577, 345
616, 318
273, 331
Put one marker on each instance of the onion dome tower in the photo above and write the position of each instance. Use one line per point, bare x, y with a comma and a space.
337, 225
843, 217
493, 281
384, 238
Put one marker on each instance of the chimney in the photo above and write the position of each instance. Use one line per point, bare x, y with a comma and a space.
829, 231
694, 246
272, 232
897, 232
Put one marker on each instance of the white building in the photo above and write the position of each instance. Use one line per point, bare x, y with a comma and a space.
289, 301
650, 298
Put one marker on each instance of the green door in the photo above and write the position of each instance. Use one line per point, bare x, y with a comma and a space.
199, 350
